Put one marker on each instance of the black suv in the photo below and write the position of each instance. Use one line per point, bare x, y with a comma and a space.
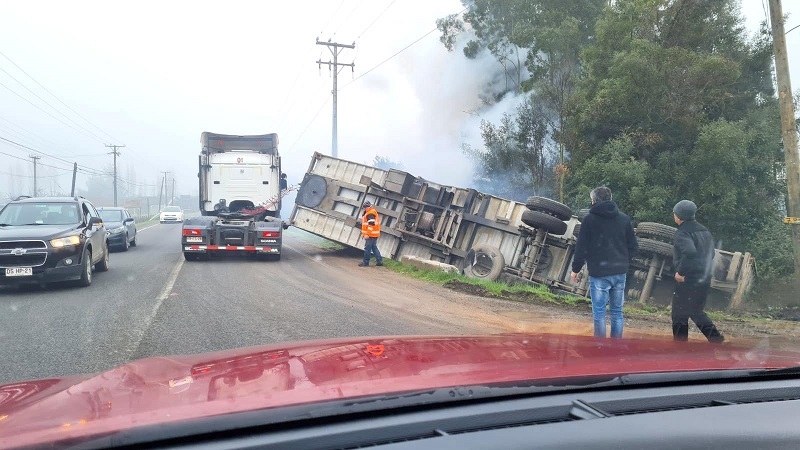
50, 239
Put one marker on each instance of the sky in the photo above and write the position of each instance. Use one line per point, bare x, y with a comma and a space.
154, 75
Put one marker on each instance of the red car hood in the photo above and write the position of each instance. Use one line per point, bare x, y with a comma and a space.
166, 389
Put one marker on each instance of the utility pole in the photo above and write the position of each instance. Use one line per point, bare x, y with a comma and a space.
788, 129
335, 49
115, 152
162, 189
74, 175
35, 160
172, 197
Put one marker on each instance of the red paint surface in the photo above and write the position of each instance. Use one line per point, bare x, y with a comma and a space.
166, 389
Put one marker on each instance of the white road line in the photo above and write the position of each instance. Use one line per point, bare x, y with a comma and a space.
170, 284
144, 325
147, 228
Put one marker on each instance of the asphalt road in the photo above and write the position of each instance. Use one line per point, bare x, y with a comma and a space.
152, 302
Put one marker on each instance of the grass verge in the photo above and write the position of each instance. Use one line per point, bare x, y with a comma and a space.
542, 295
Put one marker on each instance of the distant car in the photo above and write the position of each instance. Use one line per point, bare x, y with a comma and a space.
51, 239
171, 214
120, 227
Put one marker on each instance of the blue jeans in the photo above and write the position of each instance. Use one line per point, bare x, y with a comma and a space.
370, 247
607, 291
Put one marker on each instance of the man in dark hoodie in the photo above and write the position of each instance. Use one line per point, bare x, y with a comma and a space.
606, 243
693, 260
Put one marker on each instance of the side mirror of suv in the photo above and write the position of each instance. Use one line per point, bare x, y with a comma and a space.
129, 220
95, 221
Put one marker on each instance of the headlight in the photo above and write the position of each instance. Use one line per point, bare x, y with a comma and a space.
65, 242
117, 230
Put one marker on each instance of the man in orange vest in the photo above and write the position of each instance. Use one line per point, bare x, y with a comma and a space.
371, 230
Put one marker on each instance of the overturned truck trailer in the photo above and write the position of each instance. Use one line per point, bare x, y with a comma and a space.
483, 235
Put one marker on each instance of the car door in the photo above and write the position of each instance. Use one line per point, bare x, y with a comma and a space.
96, 234
130, 224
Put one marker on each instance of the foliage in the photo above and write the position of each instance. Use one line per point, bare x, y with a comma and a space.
514, 160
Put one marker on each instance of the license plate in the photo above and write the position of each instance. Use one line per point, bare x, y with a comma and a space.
194, 239
19, 271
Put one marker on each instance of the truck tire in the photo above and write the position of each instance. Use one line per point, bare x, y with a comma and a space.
552, 207
649, 246
190, 256
656, 231
576, 230
582, 213
542, 221
487, 263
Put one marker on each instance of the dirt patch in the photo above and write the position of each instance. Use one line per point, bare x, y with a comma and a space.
471, 289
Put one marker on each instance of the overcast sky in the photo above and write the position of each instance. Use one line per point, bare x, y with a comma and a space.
153, 75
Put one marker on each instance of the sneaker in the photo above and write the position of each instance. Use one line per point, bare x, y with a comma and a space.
361, 264
380, 264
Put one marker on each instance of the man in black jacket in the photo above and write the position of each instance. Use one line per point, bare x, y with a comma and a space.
606, 243
693, 261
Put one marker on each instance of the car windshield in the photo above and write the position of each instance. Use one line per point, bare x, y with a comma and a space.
328, 199
111, 215
39, 214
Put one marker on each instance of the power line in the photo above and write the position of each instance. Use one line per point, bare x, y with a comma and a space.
48, 103
42, 141
47, 154
309, 123
397, 53
376, 19
330, 18
56, 97
42, 110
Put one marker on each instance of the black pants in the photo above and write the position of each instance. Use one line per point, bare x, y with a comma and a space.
688, 302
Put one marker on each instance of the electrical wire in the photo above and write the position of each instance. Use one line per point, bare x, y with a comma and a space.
48, 104
56, 97
296, 141
376, 19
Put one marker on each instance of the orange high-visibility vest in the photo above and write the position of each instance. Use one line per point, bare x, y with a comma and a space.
371, 231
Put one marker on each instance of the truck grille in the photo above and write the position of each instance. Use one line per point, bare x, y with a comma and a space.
26, 260
11, 245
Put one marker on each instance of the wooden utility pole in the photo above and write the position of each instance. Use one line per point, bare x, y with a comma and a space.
74, 176
35, 160
334, 66
788, 129
115, 153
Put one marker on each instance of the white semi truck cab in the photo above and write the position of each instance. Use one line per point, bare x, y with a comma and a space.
241, 186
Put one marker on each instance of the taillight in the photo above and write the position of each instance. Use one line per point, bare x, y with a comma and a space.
272, 234
200, 370
191, 232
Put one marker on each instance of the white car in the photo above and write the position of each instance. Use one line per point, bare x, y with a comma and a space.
171, 214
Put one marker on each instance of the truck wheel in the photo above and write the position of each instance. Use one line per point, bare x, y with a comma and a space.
582, 214
657, 247
552, 207
190, 256
540, 220
486, 263
576, 230
656, 231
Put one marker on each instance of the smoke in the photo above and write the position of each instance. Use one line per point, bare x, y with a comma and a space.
436, 109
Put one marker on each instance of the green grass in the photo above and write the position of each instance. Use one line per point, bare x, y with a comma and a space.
485, 288
541, 295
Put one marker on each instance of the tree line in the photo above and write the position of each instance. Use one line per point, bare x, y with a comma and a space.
660, 100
